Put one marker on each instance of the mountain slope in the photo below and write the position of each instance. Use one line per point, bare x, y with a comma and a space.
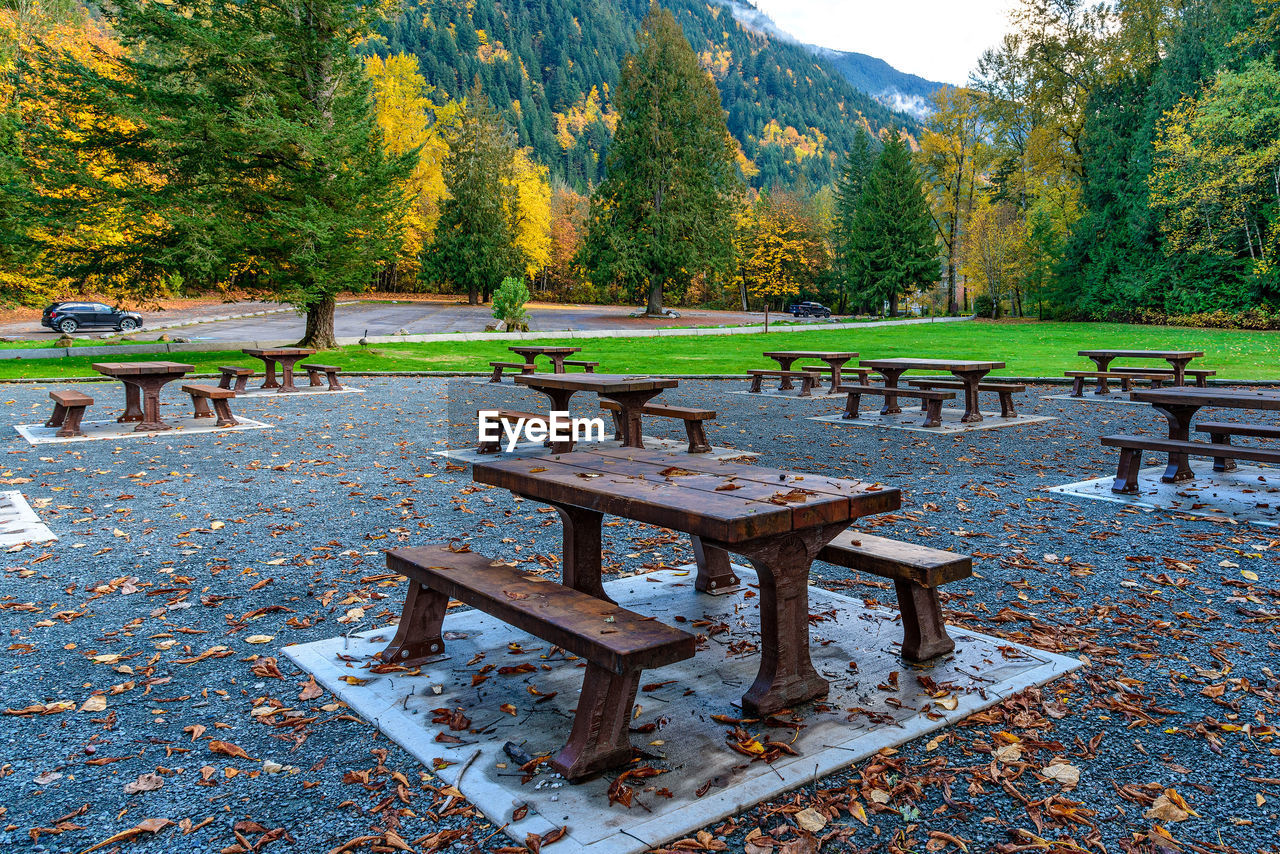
550, 65
895, 89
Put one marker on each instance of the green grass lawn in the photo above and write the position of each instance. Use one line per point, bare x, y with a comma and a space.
1029, 349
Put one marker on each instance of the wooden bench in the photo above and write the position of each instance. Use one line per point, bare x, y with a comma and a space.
329, 372
1131, 448
68, 410
232, 373
589, 367
617, 644
863, 375
932, 401
510, 416
499, 367
221, 397
1125, 378
807, 380
1005, 390
917, 573
1201, 375
692, 419
1221, 433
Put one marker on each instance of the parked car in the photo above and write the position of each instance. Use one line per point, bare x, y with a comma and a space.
809, 309
69, 316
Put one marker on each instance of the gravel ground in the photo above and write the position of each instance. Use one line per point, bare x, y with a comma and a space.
144, 684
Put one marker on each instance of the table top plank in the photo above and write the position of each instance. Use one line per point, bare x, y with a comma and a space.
133, 369
808, 507
274, 352
811, 354
600, 383
1222, 398
719, 516
679, 491
1142, 354
853, 490
543, 350
932, 364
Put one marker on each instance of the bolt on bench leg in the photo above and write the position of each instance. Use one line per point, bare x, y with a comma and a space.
201, 406
59, 414
924, 632
851, 404
599, 739
715, 570
418, 635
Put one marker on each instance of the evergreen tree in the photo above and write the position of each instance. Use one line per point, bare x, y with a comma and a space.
243, 152
894, 246
665, 210
475, 238
853, 176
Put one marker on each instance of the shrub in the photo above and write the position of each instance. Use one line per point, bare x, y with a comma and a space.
508, 303
982, 305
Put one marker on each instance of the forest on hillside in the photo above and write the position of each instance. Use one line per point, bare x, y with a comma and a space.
1106, 161
550, 69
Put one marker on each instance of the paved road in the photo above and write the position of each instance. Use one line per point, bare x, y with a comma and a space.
385, 318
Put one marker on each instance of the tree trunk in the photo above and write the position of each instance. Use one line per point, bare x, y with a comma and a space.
319, 332
654, 308
473, 296
893, 304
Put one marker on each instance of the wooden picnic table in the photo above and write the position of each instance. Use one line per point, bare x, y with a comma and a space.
1180, 405
1177, 358
778, 520
557, 355
968, 372
630, 392
142, 384
836, 360
286, 357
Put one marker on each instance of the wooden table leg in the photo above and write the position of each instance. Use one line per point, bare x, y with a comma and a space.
132, 403
286, 371
1102, 362
972, 415
150, 388
784, 364
581, 568
269, 373
1179, 370
836, 365
1179, 417
557, 363
715, 571
891, 376
786, 676
632, 402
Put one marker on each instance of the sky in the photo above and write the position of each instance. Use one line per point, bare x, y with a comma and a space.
936, 39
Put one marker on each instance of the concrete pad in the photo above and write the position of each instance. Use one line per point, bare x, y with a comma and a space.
1121, 398
791, 395
38, 434
1248, 494
537, 449
302, 390
911, 418
19, 523
879, 704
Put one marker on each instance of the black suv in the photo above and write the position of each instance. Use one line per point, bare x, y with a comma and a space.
69, 316
809, 309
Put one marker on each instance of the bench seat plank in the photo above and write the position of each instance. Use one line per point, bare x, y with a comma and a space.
917, 571
1131, 448
617, 644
